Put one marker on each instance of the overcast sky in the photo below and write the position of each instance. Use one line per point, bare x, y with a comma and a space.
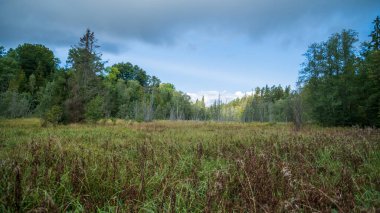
203, 47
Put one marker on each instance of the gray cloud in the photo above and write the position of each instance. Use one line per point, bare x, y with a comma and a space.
58, 22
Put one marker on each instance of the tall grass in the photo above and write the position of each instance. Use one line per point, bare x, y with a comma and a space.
167, 166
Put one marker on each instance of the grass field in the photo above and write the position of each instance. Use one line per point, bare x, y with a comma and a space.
168, 166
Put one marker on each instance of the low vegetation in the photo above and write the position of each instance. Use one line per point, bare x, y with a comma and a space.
187, 166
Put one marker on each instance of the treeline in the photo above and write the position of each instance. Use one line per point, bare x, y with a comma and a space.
339, 84
32, 83
340, 79
266, 104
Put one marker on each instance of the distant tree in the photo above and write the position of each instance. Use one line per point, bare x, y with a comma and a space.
84, 83
199, 110
2, 51
27, 69
111, 101
370, 78
9, 69
86, 63
375, 34
18, 83
14, 104
154, 81
37, 60
53, 94
134, 94
128, 71
328, 77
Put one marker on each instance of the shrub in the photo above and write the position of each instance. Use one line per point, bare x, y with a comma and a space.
14, 105
53, 116
94, 109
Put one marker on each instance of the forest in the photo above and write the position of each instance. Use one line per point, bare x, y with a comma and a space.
338, 85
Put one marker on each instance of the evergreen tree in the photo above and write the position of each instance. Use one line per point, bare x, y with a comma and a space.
84, 83
375, 35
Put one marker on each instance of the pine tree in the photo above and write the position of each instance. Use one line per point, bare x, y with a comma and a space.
375, 34
84, 83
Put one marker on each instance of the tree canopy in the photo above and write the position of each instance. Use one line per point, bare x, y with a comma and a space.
339, 84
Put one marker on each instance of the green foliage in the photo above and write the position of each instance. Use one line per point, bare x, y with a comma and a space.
199, 110
9, 68
340, 87
329, 68
37, 60
94, 109
18, 82
127, 90
84, 83
268, 104
84, 58
52, 95
375, 35
113, 73
14, 105
26, 70
2, 51
128, 71
371, 84
52, 116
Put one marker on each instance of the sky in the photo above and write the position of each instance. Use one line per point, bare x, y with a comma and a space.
204, 47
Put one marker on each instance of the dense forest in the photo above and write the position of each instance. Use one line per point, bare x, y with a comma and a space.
339, 84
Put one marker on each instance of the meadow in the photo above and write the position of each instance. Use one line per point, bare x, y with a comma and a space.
187, 166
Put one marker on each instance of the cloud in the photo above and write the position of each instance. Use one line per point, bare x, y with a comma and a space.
211, 96
212, 46
164, 21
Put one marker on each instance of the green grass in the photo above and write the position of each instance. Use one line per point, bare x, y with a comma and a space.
187, 167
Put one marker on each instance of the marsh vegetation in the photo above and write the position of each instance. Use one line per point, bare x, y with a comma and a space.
187, 166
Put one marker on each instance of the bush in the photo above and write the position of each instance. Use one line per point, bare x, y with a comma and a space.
52, 116
14, 105
94, 109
